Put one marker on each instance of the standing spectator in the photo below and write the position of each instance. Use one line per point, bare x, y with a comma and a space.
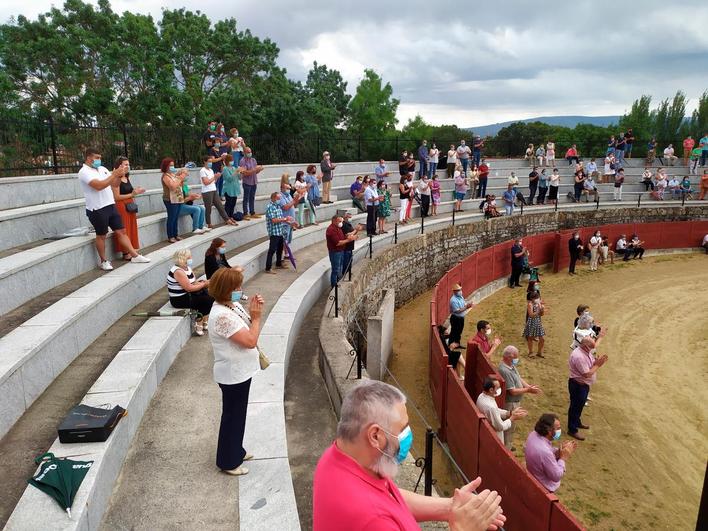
533, 329
353, 486
356, 191
314, 197
609, 169
545, 463
688, 144
542, 187
551, 154
327, 168
594, 244
277, 226
572, 155
96, 182
301, 186
483, 178
541, 156
619, 181
350, 232
451, 161
215, 257
424, 191
583, 366
518, 256
423, 159
635, 245
208, 136
232, 184
703, 144
434, 156
575, 250
529, 155
579, 184
372, 199
380, 171
123, 195
249, 169
516, 388
172, 196
611, 145
509, 197
287, 202
694, 160
651, 152
410, 167
628, 141
473, 180
404, 195
236, 360
704, 184
458, 309
554, 185
237, 145
463, 155
513, 180
210, 195
500, 419
221, 142
403, 164
385, 205
188, 208
590, 188
619, 149
481, 339
336, 242
186, 291
477, 146
434, 195
669, 155
686, 187
460, 189
533, 184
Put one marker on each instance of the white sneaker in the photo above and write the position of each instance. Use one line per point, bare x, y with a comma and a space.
140, 259
106, 266
198, 231
207, 229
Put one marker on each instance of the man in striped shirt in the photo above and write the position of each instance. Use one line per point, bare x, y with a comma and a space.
277, 225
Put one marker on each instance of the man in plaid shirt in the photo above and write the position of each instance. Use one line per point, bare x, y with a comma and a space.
276, 222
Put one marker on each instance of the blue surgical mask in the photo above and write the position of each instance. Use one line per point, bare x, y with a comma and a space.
96, 163
515, 362
236, 296
557, 434
190, 262
209, 164
222, 250
248, 155
172, 169
217, 144
405, 441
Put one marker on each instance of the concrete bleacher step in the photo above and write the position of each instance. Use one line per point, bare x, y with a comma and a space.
38, 350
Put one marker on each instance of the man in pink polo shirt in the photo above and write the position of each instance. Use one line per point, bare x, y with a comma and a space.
353, 484
583, 367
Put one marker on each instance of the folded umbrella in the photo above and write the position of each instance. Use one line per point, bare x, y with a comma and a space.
60, 478
291, 257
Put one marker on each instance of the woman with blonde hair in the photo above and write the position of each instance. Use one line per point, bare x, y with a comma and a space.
234, 340
188, 292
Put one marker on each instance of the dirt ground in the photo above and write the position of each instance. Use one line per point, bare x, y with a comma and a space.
644, 459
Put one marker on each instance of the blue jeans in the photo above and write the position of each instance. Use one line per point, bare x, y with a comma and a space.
619, 154
335, 259
172, 217
477, 154
465, 163
197, 213
249, 198
704, 156
237, 155
509, 209
423, 170
347, 257
432, 169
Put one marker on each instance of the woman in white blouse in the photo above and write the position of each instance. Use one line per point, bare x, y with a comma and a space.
451, 161
234, 336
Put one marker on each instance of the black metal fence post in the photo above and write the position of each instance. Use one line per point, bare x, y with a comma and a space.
395, 232
453, 215
336, 300
53, 140
639, 200
422, 224
358, 364
428, 483
371, 246
597, 200
556, 209
125, 141
522, 208
683, 199
182, 147
359, 149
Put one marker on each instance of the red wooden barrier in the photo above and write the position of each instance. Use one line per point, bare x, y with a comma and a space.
485, 267
563, 520
469, 274
502, 260
462, 422
436, 376
526, 504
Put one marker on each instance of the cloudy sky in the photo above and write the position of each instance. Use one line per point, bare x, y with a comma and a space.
475, 63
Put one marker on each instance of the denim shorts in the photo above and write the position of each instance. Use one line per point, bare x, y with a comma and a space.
459, 196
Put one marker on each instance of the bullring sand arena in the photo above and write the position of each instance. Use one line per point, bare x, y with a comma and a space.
643, 461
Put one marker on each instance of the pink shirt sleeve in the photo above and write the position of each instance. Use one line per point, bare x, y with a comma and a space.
553, 468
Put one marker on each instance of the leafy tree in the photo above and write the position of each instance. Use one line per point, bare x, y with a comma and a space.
417, 129
639, 119
699, 120
325, 99
372, 110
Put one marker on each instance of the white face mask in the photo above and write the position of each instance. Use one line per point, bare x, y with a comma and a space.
488, 331
340, 225
497, 392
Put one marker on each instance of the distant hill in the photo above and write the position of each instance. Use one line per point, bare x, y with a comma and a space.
565, 121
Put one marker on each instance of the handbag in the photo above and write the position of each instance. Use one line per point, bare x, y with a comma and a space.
263, 360
89, 424
131, 208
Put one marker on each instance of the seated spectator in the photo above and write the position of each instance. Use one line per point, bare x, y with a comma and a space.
647, 180
489, 207
188, 208
660, 185
529, 155
635, 245
545, 463
621, 247
186, 291
500, 419
215, 257
674, 187
591, 168
454, 357
353, 484
541, 156
572, 155
481, 339
669, 156
686, 187
356, 191
589, 188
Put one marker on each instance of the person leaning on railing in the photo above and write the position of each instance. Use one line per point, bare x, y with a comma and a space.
543, 461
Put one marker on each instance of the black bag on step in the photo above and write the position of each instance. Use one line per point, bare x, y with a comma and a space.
89, 424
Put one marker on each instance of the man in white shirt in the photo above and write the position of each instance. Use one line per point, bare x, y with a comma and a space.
371, 200
463, 155
674, 187
621, 247
96, 182
669, 155
499, 418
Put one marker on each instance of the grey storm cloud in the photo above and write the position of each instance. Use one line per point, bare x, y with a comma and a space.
475, 62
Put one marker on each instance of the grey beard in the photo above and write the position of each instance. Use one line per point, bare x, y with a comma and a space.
385, 466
